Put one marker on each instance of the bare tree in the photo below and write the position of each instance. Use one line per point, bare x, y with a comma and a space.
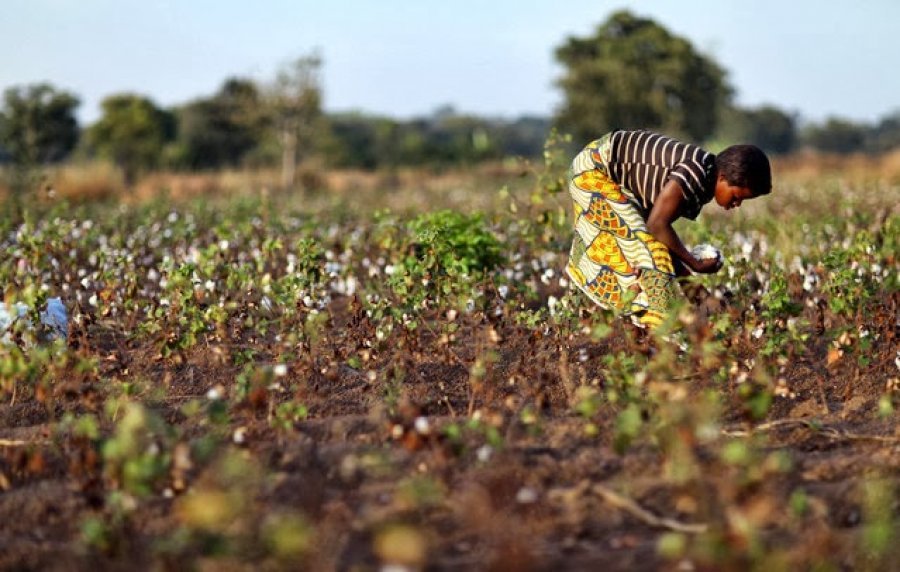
295, 100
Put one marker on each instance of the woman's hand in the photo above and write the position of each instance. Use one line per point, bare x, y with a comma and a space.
659, 223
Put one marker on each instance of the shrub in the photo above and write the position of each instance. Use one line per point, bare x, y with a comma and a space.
450, 241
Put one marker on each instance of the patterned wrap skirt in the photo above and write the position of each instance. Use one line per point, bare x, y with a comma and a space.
614, 260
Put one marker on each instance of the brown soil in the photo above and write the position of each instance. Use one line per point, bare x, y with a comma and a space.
538, 502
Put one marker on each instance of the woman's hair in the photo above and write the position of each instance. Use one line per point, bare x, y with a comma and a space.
746, 166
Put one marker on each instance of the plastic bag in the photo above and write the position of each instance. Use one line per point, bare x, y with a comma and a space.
54, 319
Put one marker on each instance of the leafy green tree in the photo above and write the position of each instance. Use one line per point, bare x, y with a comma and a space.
132, 132
768, 127
445, 137
454, 138
523, 137
220, 130
836, 135
354, 140
886, 135
37, 127
37, 124
633, 73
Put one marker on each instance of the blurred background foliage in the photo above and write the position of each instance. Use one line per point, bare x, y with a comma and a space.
631, 73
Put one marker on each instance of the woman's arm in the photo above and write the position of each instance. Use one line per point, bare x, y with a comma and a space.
659, 223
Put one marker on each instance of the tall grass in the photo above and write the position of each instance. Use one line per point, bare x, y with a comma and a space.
414, 189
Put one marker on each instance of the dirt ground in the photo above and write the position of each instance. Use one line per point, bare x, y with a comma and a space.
378, 477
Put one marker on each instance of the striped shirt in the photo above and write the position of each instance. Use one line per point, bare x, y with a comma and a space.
643, 162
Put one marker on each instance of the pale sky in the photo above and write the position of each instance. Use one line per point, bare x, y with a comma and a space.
408, 57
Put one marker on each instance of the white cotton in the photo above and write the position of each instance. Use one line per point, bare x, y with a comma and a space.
704, 251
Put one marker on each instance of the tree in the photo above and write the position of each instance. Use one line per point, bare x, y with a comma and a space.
220, 130
768, 127
444, 138
633, 73
354, 140
886, 135
132, 133
295, 112
456, 138
37, 127
836, 135
37, 124
524, 136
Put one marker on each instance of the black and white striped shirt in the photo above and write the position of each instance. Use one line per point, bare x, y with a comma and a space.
643, 162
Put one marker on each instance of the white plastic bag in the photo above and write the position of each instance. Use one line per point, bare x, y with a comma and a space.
54, 317
9, 316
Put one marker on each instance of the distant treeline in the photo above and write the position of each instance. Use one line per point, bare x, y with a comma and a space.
444, 138
234, 128
778, 133
245, 124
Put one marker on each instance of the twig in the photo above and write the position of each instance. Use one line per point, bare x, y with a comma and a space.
16, 443
818, 375
685, 377
839, 434
449, 349
631, 507
564, 373
449, 406
769, 425
831, 432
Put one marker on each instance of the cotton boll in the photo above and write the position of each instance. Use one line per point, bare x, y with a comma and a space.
704, 251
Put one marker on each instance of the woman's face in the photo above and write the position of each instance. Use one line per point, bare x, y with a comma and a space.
730, 196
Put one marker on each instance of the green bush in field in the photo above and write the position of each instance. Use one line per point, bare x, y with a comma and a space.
453, 242
138, 456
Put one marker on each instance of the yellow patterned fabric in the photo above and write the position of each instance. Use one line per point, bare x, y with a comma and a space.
614, 260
